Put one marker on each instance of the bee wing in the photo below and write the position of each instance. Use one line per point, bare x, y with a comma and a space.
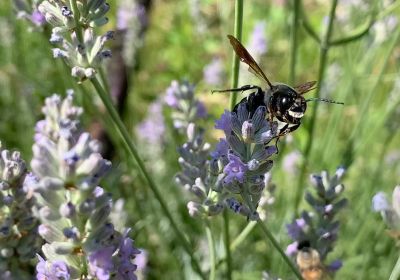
245, 57
306, 87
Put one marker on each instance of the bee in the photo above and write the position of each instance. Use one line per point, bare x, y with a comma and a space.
282, 102
309, 262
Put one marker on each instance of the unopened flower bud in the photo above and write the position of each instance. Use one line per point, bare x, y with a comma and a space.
247, 131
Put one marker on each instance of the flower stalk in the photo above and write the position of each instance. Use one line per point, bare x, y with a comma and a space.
81, 241
124, 134
235, 63
324, 48
211, 248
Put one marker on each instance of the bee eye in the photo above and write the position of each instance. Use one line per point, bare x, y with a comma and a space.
285, 103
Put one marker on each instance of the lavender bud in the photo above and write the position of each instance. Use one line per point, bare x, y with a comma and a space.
78, 72
67, 210
195, 209
100, 216
215, 209
247, 131
63, 248
71, 233
49, 232
253, 164
8, 200
215, 167
6, 252
87, 206
319, 227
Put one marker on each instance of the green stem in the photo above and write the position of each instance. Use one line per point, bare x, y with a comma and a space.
235, 81
104, 79
76, 14
124, 134
211, 248
308, 28
396, 271
238, 240
293, 53
227, 243
324, 47
372, 91
277, 247
242, 236
294, 42
235, 63
363, 30
270, 237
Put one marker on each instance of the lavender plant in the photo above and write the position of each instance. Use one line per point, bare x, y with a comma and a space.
390, 211
186, 108
319, 228
237, 166
245, 156
131, 21
213, 73
199, 175
81, 242
83, 50
152, 129
18, 231
28, 10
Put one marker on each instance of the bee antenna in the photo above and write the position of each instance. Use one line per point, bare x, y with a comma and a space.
324, 100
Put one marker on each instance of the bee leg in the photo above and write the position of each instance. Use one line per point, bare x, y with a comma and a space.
276, 145
243, 88
293, 128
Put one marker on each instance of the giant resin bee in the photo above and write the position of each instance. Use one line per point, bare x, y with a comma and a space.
285, 103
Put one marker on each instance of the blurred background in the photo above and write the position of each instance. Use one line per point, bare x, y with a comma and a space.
161, 41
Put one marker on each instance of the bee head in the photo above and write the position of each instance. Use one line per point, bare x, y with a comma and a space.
287, 105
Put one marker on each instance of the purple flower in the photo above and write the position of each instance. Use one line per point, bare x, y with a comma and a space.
213, 72
396, 199
60, 270
130, 14
127, 252
335, 265
295, 229
152, 129
291, 249
141, 260
221, 149
224, 123
41, 269
170, 95
101, 264
38, 18
201, 110
291, 161
235, 169
55, 270
258, 42
380, 202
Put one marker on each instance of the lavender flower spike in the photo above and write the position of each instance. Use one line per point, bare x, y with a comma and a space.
81, 242
318, 230
83, 55
18, 230
186, 108
390, 211
199, 175
247, 157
